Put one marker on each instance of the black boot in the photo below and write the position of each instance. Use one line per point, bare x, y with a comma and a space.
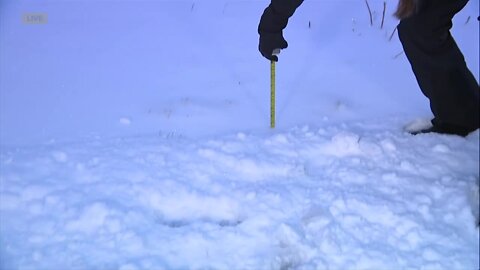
449, 130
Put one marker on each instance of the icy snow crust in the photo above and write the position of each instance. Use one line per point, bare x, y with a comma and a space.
135, 135
350, 197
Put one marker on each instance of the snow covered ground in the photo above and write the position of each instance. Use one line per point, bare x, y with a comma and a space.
135, 135
338, 197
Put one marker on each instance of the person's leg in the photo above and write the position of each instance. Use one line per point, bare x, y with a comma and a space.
440, 67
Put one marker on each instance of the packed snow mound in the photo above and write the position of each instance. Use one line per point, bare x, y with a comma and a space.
360, 196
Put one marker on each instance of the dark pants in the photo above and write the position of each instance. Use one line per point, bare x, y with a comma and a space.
439, 65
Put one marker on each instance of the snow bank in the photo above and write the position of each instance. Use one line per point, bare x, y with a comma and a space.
335, 197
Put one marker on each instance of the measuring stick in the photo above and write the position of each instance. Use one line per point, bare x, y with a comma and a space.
272, 94
272, 89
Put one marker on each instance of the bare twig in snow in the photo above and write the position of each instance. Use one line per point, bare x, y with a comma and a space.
393, 33
224, 7
398, 55
468, 20
383, 16
369, 12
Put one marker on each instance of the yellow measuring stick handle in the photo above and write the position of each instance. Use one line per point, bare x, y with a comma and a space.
272, 94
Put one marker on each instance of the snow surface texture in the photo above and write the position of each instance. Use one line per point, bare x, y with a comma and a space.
135, 135
349, 197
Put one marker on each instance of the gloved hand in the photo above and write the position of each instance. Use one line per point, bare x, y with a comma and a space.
269, 42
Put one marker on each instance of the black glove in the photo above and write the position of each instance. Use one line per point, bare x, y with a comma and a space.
274, 19
269, 42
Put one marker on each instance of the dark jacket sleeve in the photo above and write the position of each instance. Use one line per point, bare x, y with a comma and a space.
276, 15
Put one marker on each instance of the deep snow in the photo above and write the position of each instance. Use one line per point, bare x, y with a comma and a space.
135, 135
337, 197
